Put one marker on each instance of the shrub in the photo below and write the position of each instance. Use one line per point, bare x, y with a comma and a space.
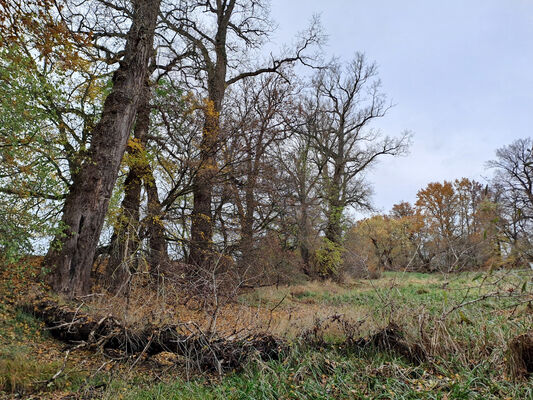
328, 259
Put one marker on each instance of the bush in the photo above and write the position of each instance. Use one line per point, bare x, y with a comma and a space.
328, 259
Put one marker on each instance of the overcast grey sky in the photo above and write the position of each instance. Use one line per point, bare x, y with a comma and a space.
460, 72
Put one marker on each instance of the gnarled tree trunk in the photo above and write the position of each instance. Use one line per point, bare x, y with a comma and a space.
71, 255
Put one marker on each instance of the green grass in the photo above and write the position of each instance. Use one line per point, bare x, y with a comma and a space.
26, 365
467, 347
332, 375
475, 370
21, 371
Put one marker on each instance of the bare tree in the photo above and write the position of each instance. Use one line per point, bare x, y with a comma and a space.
514, 181
255, 121
344, 101
221, 35
301, 195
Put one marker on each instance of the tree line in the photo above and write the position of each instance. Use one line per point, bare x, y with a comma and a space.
146, 132
454, 226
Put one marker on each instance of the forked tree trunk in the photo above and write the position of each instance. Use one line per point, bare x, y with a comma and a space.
71, 254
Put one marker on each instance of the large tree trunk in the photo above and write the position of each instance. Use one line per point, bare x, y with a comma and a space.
71, 254
201, 250
335, 211
125, 241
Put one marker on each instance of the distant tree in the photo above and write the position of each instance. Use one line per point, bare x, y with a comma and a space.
514, 180
402, 209
455, 233
385, 242
343, 102
437, 202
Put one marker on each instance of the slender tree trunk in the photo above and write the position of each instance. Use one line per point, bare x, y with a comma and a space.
246, 244
158, 258
125, 241
303, 239
71, 254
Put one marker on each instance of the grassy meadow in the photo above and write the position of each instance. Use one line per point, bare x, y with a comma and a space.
462, 321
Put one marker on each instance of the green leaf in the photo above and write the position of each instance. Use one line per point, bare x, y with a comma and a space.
464, 318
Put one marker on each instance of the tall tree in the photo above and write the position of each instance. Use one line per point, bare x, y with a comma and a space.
301, 170
344, 102
254, 123
222, 33
514, 181
71, 254
47, 115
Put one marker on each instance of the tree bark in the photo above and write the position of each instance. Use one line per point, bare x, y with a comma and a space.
125, 241
335, 207
303, 237
158, 257
202, 216
71, 254
201, 250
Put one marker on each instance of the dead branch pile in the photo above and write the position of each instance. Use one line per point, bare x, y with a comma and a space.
393, 339
390, 339
107, 333
207, 353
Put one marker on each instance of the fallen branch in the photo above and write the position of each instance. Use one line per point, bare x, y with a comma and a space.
207, 353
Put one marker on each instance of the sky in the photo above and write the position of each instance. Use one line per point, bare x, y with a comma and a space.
460, 73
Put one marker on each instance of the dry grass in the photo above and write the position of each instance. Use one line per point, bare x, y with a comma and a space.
472, 335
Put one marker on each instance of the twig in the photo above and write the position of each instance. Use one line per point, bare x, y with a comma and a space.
142, 352
466, 303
